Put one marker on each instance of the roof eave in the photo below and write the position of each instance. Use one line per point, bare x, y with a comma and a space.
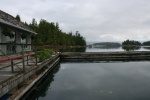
15, 26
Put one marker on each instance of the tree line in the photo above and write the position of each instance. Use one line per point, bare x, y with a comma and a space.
108, 44
136, 43
49, 33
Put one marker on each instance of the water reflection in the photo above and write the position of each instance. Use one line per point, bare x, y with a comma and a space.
147, 48
104, 49
107, 47
131, 48
41, 90
98, 81
121, 48
81, 49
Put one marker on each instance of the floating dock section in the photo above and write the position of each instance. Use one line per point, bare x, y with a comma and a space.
104, 56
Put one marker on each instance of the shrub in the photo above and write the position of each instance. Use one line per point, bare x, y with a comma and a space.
45, 53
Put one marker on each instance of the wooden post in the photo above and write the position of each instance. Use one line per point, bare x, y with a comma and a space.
27, 59
35, 54
12, 66
23, 62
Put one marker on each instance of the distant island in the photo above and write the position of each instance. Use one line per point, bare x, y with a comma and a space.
131, 43
126, 43
135, 43
105, 45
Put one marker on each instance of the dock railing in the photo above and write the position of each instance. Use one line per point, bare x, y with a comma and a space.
13, 81
14, 59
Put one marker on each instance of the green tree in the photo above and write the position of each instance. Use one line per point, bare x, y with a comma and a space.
131, 42
146, 43
18, 18
51, 34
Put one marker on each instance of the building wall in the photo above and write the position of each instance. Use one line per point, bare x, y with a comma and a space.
9, 48
2, 40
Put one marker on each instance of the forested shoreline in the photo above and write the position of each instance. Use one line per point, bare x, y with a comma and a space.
124, 43
50, 34
135, 43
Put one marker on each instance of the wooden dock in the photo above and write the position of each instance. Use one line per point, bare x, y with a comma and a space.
25, 80
104, 56
37, 72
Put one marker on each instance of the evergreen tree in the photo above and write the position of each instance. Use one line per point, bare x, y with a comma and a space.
146, 43
131, 42
18, 18
51, 34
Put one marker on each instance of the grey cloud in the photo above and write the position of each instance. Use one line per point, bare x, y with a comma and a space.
96, 20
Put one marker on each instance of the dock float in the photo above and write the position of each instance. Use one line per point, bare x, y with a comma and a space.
134, 55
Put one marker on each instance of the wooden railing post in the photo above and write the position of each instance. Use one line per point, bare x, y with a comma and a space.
27, 59
35, 54
12, 66
23, 61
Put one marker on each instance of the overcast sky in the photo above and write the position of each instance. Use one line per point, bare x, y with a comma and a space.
96, 20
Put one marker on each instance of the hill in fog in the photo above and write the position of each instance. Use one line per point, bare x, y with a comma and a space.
106, 44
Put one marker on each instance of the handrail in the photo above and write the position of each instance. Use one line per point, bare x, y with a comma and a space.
15, 57
4, 54
11, 58
11, 82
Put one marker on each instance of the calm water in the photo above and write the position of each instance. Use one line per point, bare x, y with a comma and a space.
142, 48
97, 81
108, 49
